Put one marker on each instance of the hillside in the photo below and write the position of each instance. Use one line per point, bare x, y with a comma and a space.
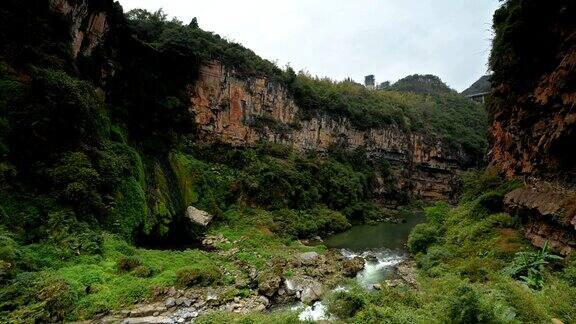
480, 86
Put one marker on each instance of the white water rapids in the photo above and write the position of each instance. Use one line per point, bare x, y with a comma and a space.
378, 265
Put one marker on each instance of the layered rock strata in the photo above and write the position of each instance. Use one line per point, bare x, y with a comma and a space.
245, 111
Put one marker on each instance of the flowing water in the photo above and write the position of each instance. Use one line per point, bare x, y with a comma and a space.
382, 246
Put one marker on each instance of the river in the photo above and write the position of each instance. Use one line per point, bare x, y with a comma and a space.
382, 246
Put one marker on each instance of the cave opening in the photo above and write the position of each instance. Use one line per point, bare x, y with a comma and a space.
181, 236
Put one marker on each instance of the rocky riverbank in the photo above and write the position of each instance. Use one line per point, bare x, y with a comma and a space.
303, 277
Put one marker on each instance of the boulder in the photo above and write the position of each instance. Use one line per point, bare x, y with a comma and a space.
305, 288
352, 266
312, 292
198, 217
170, 302
268, 284
308, 258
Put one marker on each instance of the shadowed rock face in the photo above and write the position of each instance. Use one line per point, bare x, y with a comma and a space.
549, 215
88, 27
533, 114
243, 111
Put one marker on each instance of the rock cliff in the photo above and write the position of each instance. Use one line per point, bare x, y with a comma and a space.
88, 24
232, 108
534, 116
244, 111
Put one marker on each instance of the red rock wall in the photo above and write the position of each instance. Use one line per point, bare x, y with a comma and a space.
243, 111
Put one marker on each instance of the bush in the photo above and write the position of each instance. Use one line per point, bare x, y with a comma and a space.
143, 271
364, 212
129, 263
38, 297
529, 266
434, 256
188, 276
466, 307
421, 237
345, 305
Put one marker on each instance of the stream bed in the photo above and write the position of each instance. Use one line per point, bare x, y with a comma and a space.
382, 246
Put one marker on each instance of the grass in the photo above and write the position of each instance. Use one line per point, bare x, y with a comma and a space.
122, 274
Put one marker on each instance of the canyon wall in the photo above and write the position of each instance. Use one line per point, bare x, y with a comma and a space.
245, 111
88, 25
533, 112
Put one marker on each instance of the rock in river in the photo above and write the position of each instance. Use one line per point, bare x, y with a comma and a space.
352, 266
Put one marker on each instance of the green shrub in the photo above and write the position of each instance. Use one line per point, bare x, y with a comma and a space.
466, 307
434, 256
38, 297
569, 273
364, 212
421, 237
142, 271
189, 276
345, 305
529, 266
129, 263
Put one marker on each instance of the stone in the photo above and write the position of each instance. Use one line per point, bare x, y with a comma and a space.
377, 286
198, 216
241, 283
183, 301
212, 241
406, 272
268, 284
304, 288
308, 258
312, 292
352, 266
148, 320
146, 310
170, 302
371, 258
263, 300
172, 292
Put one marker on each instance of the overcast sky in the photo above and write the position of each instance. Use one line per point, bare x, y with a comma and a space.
344, 38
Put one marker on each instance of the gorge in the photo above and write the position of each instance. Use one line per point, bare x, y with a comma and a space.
155, 172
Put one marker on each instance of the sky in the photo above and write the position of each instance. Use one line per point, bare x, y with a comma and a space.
345, 38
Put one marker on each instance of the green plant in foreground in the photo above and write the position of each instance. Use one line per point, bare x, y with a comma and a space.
529, 266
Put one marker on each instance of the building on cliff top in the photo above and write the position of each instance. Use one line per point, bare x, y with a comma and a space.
370, 82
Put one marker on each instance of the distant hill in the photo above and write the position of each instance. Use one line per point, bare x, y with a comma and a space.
480, 86
424, 84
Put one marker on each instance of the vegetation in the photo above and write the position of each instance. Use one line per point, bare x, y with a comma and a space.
417, 103
94, 159
473, 267
172, 35
421, 104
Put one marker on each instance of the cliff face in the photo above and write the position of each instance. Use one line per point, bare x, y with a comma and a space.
244, 111
88, 26
534, 116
